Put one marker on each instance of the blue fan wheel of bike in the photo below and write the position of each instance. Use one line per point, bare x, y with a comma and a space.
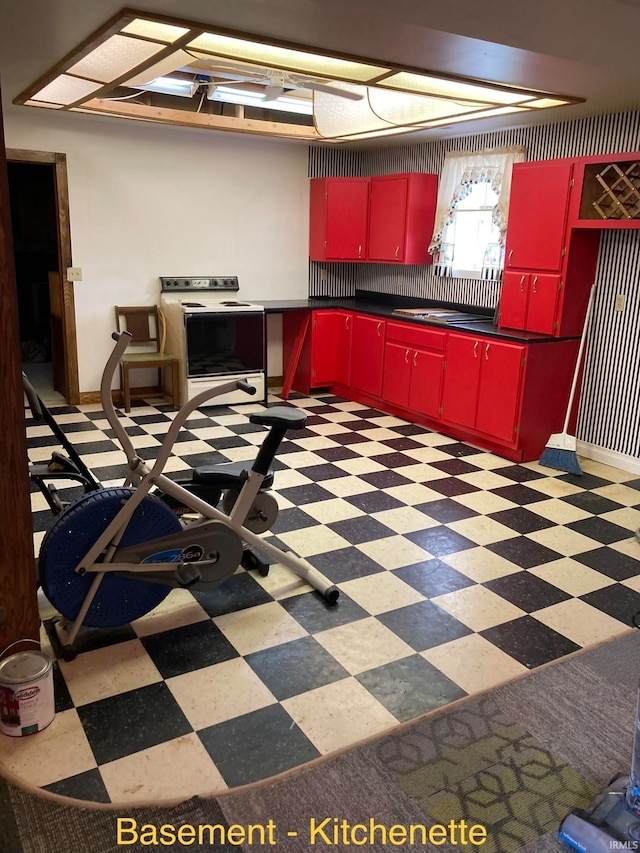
118, 600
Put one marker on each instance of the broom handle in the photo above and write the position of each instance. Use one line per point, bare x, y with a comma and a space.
579, 359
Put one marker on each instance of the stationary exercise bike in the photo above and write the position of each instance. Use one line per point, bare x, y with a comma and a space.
115, 553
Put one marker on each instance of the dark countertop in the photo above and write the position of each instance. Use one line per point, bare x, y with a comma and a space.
483, 325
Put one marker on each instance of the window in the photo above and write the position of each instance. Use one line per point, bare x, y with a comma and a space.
472, 211
471, 241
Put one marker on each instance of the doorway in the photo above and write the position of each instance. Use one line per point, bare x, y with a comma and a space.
42, 252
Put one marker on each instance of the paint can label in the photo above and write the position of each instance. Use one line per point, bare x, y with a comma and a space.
26, 708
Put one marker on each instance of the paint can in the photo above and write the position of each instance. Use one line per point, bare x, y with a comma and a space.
26, 691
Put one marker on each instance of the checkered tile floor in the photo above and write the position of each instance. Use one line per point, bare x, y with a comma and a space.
457, 569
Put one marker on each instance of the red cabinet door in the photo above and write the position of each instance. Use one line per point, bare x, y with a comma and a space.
326, 328
347, 213
537, 215
461, 378
345, 324
367, 354
396, 376
499, 388
513, 300
544, 290
387, 219
425, 391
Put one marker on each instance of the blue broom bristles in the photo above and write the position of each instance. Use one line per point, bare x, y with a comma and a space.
562, 460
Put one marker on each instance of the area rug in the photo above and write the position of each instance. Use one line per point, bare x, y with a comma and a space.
509, 763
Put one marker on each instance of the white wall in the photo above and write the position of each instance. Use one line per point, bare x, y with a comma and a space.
148, 200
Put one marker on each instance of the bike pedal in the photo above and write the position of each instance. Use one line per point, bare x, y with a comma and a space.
187, 575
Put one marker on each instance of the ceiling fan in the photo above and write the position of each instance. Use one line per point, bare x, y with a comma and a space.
276, 82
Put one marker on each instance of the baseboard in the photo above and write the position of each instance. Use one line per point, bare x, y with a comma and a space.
275, 381
609, 457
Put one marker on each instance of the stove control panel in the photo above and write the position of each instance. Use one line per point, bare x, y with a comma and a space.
202, 284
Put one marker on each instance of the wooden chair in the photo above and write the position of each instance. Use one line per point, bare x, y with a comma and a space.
147, 326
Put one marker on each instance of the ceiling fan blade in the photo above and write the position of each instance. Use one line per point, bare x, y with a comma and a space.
329, 90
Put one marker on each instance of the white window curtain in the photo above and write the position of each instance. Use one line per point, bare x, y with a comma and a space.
460, 171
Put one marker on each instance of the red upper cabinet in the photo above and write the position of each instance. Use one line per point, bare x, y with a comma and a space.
385, 219
338, 219
402, 211
537, 215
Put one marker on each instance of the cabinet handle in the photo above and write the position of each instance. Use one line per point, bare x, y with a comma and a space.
475, 349
521, 284
535, 281
406, 357
486, 352
346, 322
415, 359
397, 252
359, 251
509, 258
378, 329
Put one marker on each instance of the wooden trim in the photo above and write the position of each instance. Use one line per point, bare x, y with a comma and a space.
275, 381
59, 163
184, 118
18, 601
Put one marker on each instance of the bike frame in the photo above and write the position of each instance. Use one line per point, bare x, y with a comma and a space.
143, 478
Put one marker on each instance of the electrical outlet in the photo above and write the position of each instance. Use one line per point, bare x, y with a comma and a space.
621, 300
74, 274
323, 275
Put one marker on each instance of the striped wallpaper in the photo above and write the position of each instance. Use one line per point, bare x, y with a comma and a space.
610, 401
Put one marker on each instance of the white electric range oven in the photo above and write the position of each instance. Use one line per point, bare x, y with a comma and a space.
216, 336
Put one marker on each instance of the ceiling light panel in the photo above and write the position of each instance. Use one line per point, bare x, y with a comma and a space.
281, 57
334, 116
114, 58
169, 64
66, 90
154, 30
426, 85
543, 103
404, 108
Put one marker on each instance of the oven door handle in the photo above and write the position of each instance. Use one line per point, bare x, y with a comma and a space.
243, 385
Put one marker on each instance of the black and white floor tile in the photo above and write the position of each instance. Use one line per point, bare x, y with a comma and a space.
457, 569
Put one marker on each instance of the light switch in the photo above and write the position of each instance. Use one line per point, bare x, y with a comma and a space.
621, 301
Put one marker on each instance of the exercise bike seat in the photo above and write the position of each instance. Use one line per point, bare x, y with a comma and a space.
227, 475
280, 416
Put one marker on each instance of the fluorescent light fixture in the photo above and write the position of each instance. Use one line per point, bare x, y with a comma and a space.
242, 97
171, 86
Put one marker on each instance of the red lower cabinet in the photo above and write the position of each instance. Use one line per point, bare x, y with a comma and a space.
501, 372
482, 383
413, 360
507, 397
367, 354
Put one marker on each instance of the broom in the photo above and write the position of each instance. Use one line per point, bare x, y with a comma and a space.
560, 450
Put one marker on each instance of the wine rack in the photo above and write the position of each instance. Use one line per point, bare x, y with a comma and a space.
620, 191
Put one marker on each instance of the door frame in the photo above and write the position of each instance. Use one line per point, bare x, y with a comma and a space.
67, 300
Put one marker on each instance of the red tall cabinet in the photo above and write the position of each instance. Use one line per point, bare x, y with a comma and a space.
549, 267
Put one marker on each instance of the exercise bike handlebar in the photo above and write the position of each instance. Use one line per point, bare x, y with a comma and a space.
32, 398
122, 340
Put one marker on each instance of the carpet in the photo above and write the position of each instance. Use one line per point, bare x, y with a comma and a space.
513, 761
